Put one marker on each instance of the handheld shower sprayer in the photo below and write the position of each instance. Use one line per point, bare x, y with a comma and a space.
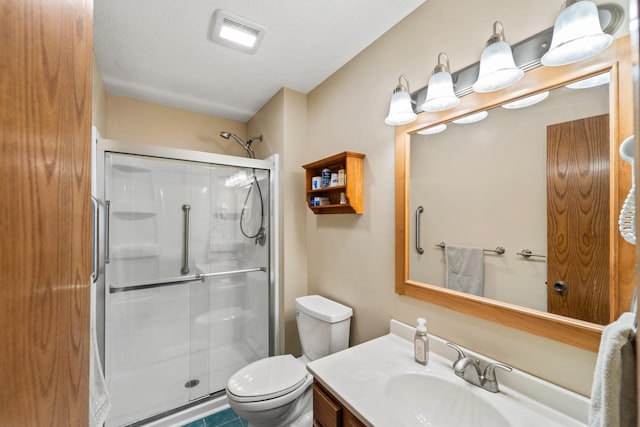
245, 145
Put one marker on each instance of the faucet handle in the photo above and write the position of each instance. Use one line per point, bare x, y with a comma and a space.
490, 370
461, 354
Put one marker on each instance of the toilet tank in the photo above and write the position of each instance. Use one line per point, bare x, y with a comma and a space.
323, 326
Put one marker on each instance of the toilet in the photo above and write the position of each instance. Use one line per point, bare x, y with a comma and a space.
276, 391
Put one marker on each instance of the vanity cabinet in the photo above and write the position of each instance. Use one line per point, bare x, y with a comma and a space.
352, 163
329, 412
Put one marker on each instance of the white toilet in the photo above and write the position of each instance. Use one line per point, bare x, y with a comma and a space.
276, 391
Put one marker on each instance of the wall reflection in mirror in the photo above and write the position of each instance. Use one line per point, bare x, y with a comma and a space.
533, 178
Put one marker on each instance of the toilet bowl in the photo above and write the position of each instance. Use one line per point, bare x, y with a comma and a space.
277, 391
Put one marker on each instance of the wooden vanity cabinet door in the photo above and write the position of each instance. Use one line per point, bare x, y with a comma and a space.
326, 412
350, 420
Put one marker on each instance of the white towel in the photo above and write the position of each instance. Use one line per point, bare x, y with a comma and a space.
465, 269
99, 403
613, 394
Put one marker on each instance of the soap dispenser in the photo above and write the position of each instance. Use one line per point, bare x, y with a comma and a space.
421, 342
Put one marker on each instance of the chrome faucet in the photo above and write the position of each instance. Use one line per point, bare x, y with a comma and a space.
469, 370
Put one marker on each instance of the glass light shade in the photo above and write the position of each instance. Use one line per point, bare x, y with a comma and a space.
440, 95
472, 118
433, 129
497, 68
400, 111
577, 35
599, 80
526, 102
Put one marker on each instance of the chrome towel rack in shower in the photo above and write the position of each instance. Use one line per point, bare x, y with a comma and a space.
499, 249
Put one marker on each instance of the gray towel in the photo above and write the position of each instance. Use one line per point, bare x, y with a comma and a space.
613, 394
465, 269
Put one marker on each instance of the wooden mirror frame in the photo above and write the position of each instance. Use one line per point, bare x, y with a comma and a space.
616, 60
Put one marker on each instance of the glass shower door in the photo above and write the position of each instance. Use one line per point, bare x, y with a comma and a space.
237, 264
153, 291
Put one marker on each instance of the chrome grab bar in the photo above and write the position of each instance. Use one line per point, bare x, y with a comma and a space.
107, 210
180, 280
157, 284
185, 241
228, 273
419, 211
95, 269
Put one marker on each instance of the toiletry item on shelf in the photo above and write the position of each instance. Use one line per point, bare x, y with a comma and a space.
316, 182
334, 180
421, 342
342, 177
319, 201
343, 199
326, 177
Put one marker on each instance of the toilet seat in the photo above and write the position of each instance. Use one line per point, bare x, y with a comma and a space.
267, 379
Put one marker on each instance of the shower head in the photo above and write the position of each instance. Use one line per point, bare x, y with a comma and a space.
252, 140
246, 146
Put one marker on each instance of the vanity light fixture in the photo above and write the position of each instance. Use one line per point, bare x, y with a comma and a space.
497, 67
234, 31
440, 95
599, 80
433, 130
400, 109
526, 102
471, 118
577, 35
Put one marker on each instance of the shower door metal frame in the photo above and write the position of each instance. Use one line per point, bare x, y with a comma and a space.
104, 146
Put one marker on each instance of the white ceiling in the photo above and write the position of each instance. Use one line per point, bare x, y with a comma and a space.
158, 50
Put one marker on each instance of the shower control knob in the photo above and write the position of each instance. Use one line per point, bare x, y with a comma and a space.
560, 287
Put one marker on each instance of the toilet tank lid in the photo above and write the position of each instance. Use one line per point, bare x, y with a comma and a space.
323, 308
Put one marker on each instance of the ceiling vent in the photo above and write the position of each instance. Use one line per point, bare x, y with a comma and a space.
235, 31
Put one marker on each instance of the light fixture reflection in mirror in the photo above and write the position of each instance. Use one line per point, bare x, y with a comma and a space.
526, 102
433, 130
600, 79
472, 118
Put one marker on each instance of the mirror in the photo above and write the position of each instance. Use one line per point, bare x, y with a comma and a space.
486, 186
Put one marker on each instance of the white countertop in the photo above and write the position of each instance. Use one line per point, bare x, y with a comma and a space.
357, 377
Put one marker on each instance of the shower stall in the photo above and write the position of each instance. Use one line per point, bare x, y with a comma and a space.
187, 279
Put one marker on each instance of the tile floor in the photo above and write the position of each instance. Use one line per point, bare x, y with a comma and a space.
226, 418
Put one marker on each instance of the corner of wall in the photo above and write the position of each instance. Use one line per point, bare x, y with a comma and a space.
98, 100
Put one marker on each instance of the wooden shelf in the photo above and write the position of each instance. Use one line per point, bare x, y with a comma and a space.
353, 164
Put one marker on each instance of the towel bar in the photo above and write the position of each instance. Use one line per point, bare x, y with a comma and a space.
499, 249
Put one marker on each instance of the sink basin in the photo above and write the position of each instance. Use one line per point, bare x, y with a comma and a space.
426, 400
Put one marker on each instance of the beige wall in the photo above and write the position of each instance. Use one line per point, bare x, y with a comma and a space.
99, 101
350, 257
142, 122
282, 123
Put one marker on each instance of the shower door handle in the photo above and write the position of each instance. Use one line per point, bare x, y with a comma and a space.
185, 241
95, 269
419, 248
